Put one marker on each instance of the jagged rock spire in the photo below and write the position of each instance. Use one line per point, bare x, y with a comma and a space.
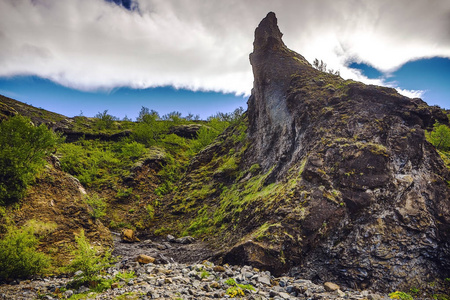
267, 33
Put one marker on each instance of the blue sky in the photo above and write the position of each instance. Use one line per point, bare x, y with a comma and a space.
431, 76
119, 102
191, 56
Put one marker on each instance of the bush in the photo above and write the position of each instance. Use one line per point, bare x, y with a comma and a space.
98, 206
205, 136
18, 255
440, 136
88, 260
149, 127
132, 150
23, 147
105, 120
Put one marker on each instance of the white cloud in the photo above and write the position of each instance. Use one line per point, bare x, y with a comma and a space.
204, 45
411, 93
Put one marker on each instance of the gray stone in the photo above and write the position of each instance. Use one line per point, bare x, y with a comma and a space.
68, 293
170, 238
264, 279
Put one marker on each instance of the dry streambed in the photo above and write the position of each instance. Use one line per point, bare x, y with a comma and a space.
180, 271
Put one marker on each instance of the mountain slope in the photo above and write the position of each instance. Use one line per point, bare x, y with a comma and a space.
328, 178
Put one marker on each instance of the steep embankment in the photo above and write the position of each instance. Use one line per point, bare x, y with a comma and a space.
332, 179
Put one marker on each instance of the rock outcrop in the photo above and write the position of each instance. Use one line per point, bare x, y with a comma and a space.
325, 178
376, 205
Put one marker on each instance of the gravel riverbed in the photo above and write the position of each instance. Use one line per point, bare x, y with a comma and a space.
174, 275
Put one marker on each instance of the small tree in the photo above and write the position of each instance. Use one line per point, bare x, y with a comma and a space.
149, 127
105, 120
147, 116
321, 66
440, 136
23, 147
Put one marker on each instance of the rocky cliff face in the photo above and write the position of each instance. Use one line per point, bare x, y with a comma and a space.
373, 192
332, 179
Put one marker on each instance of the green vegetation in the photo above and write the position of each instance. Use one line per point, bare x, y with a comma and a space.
204, 274
19, 257
440, 137
400, 295
236, 289
23, 148
100, 164
88, 260
104, 120
97, 204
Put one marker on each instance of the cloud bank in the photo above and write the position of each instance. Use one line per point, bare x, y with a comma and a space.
204, 45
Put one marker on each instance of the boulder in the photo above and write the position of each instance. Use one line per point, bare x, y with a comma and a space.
188, 131
145, 259
185, 240
330, 287
128, 236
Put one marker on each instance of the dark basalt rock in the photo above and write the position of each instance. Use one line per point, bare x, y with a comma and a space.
186, 131
375, 197
73, 136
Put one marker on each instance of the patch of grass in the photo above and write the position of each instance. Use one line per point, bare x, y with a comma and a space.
261, 232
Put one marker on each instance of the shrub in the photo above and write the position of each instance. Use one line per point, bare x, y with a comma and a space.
98, 206
132, 150
18, 255
88, 260
149, 127
23, 147
440, 136
105, 120
205, 136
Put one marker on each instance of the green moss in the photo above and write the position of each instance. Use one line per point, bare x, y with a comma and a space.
262, 231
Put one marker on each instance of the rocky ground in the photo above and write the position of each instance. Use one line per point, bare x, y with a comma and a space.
180, 271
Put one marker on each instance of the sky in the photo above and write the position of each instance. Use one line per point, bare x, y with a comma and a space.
85, 56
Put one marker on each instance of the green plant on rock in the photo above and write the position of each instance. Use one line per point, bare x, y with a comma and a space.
88, 259
98, 206
236, 289
400, 295
124, 193
204, 274
150, 211
23, 148
19, 257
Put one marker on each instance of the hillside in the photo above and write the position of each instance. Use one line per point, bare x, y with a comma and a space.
321, 178
326, 178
